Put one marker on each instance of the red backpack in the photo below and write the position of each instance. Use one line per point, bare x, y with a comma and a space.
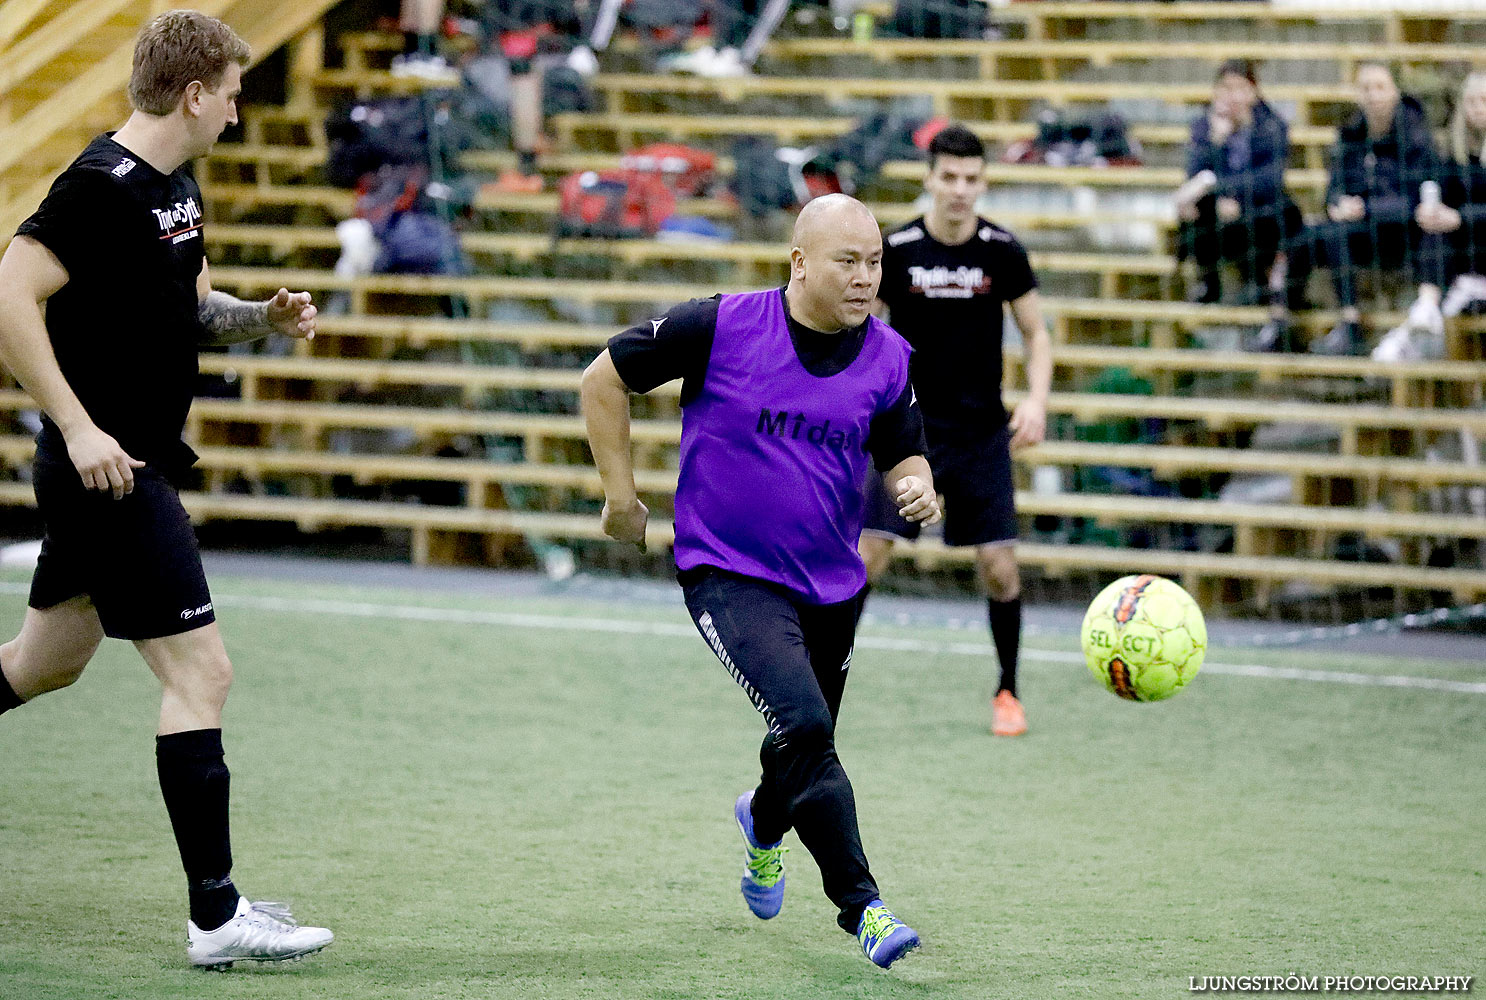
613, 204
687, 171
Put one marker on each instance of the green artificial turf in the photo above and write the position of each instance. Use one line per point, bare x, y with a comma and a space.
503, 808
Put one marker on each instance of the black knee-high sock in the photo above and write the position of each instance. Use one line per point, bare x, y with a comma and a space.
8, 698
1006, 633
194, 780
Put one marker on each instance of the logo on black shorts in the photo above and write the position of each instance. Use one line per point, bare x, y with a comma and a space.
190, 613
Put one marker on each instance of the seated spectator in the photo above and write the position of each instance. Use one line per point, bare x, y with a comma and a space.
1383, 155
1461, 214
1454, 208
537, 38
1233, 206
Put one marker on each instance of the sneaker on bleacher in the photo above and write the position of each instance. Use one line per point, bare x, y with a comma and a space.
582, 61
706, 61
1466, 295
1397, 345
426, 67
1425, 317
687, 62
728, 62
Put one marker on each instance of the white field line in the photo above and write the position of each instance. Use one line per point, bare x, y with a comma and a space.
560, 623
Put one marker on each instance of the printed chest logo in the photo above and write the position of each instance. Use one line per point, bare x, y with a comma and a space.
798, 427
180, 222
949, 282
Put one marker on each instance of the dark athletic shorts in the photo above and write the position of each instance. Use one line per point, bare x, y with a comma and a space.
135, 557
974, 478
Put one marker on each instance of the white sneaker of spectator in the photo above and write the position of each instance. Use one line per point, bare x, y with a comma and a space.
1467, 290
727, 62
688, 62
1425, 316
435, 69
1426, 325
1397, 345
425, 67
582, 61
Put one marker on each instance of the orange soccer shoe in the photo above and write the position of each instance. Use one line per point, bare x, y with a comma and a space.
1007, 717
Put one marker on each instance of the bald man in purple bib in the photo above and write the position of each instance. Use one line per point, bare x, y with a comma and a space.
787, 394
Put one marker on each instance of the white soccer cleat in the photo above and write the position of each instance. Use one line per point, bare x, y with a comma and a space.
258, 932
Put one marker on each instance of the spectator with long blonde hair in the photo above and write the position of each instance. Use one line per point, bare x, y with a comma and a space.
1461, 212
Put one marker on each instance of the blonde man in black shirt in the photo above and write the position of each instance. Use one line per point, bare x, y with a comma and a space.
105, 298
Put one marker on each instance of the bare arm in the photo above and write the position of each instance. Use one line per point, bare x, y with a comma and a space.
227, 319
606, 414
29, 275
1029, 419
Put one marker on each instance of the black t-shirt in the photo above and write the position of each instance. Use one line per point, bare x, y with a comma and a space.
125, 327
947, 301
679, 345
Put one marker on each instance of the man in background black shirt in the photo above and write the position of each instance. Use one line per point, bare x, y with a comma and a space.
946, 277
105, 299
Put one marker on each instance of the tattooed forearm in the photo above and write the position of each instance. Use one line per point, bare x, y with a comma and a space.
227, 319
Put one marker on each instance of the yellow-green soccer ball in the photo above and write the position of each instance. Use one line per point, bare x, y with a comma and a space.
1144, 638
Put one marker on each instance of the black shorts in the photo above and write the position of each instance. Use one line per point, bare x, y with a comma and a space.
974, 478
136, 557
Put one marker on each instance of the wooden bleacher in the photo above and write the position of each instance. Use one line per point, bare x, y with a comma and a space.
1155, 322
377, 399
585, 137
1400, 25
997, 100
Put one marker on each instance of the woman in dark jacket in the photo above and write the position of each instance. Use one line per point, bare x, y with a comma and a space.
1233, 206
1383, 156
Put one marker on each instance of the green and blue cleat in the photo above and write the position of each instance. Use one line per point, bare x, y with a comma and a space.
883, 937
763, 865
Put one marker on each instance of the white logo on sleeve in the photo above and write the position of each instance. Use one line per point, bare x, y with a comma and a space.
655, 326
125, 165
